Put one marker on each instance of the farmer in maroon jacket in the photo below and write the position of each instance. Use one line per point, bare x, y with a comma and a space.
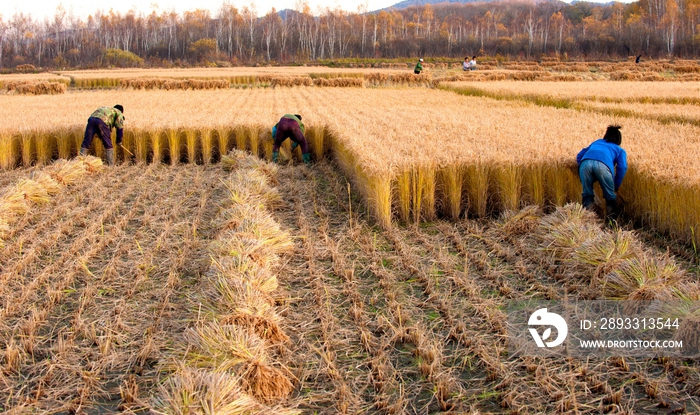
290, 126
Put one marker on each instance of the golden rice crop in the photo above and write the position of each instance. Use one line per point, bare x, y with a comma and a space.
378, 135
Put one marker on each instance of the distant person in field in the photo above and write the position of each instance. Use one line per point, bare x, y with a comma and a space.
290, 126
465, 64
419, 67
638, 58
472, 64
101, 122
605, 162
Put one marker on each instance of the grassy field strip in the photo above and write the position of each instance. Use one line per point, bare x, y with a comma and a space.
112, 316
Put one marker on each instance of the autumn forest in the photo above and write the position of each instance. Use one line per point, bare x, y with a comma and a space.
233, 35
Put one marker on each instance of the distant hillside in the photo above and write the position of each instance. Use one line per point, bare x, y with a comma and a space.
408, 3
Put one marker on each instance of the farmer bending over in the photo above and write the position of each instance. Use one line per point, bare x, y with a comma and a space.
597, 162
290, 126
101, 122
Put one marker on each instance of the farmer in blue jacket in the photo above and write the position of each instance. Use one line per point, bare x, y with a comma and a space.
605, 162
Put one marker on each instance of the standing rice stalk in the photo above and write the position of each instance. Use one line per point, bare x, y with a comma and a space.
254, 139
477, 179
78, 137
8, 151
508, 179
26, 142
45, 144
207, 145
128, 144
534, 183
451, 181
403, 192
191, 141
428, 183
556, 185
223, 135
240, 134
267, 141
63, 143
142, 138
174, 145
316, 138
417, 188
157, 145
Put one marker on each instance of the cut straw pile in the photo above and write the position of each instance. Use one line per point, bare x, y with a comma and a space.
172, 84
35, 87
16, 200
603, 263
234, 344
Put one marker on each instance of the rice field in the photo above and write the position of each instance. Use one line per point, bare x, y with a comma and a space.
450, 163
196, 278
246, 287
605, 91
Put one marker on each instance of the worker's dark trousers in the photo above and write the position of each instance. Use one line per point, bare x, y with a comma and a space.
97, 126
289, 128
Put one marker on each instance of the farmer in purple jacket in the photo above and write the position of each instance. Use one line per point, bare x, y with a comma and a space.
290, 126
605, 162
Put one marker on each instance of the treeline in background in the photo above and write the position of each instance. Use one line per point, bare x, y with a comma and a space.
232, 36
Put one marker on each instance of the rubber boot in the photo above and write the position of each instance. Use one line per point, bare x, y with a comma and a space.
294, 145
84, 151
306, 157
275, 156
110, 156
588, 202
612, 213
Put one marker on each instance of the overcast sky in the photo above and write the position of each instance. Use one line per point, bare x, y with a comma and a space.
82, 8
